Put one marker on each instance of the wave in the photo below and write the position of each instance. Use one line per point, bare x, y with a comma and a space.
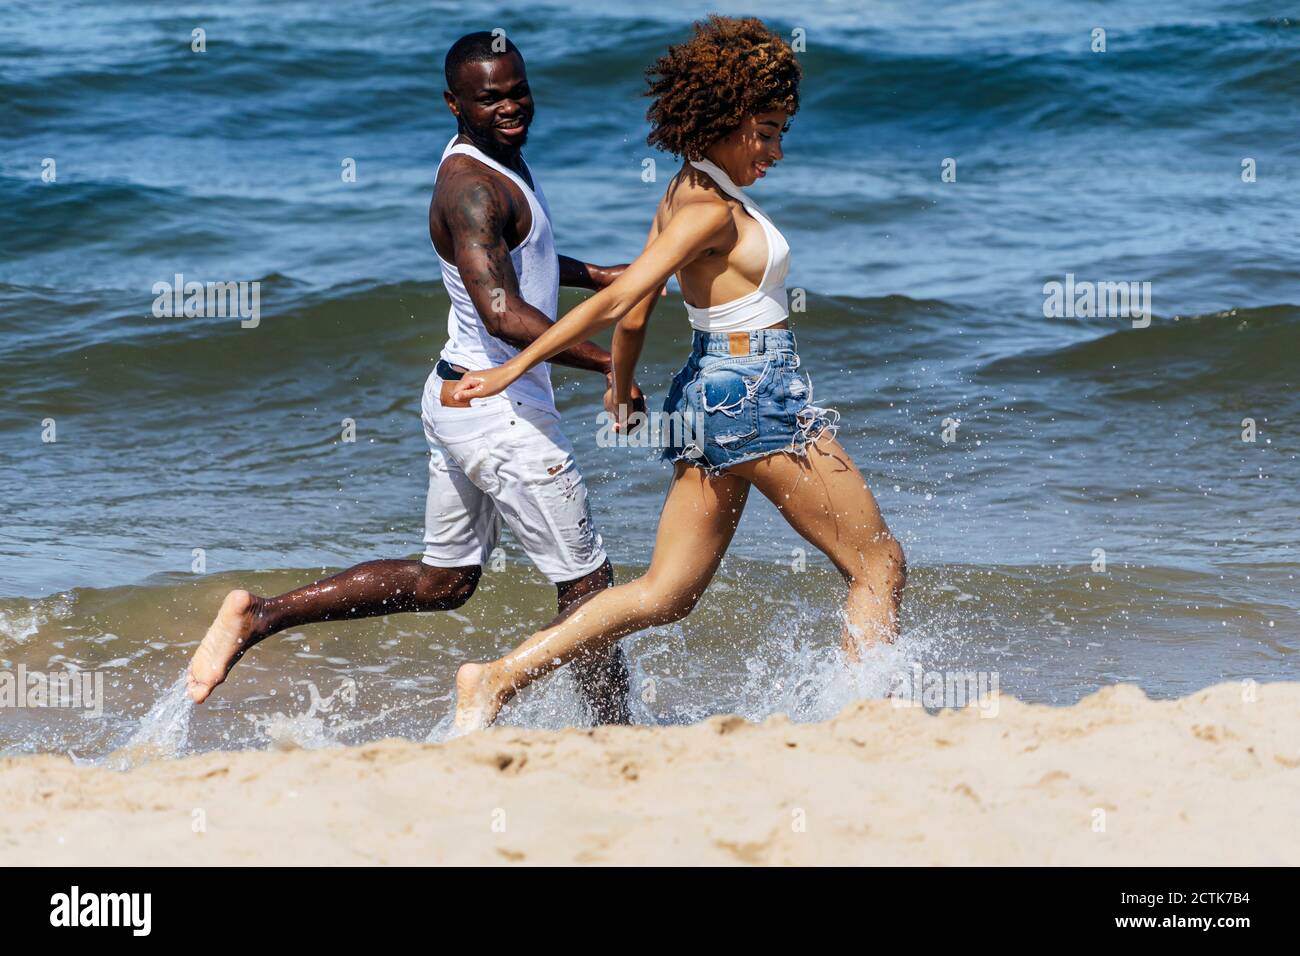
404, 321
83, 347
762, 641
1197, 354
62, 217
860, 76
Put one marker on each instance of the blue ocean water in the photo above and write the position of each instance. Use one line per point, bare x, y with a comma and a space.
925, 306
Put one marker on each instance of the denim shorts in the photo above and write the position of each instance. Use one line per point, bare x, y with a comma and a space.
734, 408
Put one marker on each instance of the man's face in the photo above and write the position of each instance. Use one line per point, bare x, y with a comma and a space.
492, 99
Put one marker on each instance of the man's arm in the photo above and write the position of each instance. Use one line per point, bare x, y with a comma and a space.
690, 233
477, 215
575, 274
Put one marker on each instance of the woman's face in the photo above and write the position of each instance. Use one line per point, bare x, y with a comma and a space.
750, 151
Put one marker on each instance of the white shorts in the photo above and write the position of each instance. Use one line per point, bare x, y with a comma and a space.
500, 461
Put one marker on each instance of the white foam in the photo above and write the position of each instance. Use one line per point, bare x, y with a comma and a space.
18, 625
324, 723
161, 733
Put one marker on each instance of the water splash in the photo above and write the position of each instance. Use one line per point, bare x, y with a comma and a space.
17, 627
24, 619
162, 732
324, 724
441, 732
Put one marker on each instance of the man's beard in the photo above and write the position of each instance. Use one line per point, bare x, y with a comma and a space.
483, 138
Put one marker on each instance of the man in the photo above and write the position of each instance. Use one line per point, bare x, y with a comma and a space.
499, 459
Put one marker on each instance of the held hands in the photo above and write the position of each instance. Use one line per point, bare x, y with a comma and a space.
620, 412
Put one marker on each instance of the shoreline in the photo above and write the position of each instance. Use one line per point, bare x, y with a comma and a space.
1212, 778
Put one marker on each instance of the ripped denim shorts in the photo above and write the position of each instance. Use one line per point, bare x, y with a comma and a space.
730, 408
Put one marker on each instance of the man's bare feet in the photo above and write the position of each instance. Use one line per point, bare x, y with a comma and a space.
224, 643
477, 705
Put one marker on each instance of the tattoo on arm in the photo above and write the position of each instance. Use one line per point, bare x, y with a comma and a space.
478, 217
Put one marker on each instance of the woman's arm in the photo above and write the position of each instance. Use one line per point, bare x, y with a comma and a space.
693, 230
629, 337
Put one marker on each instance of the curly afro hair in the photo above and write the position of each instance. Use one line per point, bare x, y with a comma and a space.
730, 68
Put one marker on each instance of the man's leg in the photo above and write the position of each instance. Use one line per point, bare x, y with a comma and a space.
601, 674
460, 528
541, 496
366, 590
696, 526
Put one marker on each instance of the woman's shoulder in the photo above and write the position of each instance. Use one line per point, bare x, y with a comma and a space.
693, 190
692, 185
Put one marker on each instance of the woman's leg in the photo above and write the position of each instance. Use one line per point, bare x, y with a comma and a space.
825, 499
698, 520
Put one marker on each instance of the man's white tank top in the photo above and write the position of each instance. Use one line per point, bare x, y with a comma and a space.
469, 344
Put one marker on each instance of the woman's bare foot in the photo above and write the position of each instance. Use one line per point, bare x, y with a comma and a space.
225, 642
477, 704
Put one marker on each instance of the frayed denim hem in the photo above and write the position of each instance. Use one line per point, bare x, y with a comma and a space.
813, 424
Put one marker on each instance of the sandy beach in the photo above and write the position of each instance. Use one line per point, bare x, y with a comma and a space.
1213, 778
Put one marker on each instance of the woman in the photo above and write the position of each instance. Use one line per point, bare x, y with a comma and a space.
722, 101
